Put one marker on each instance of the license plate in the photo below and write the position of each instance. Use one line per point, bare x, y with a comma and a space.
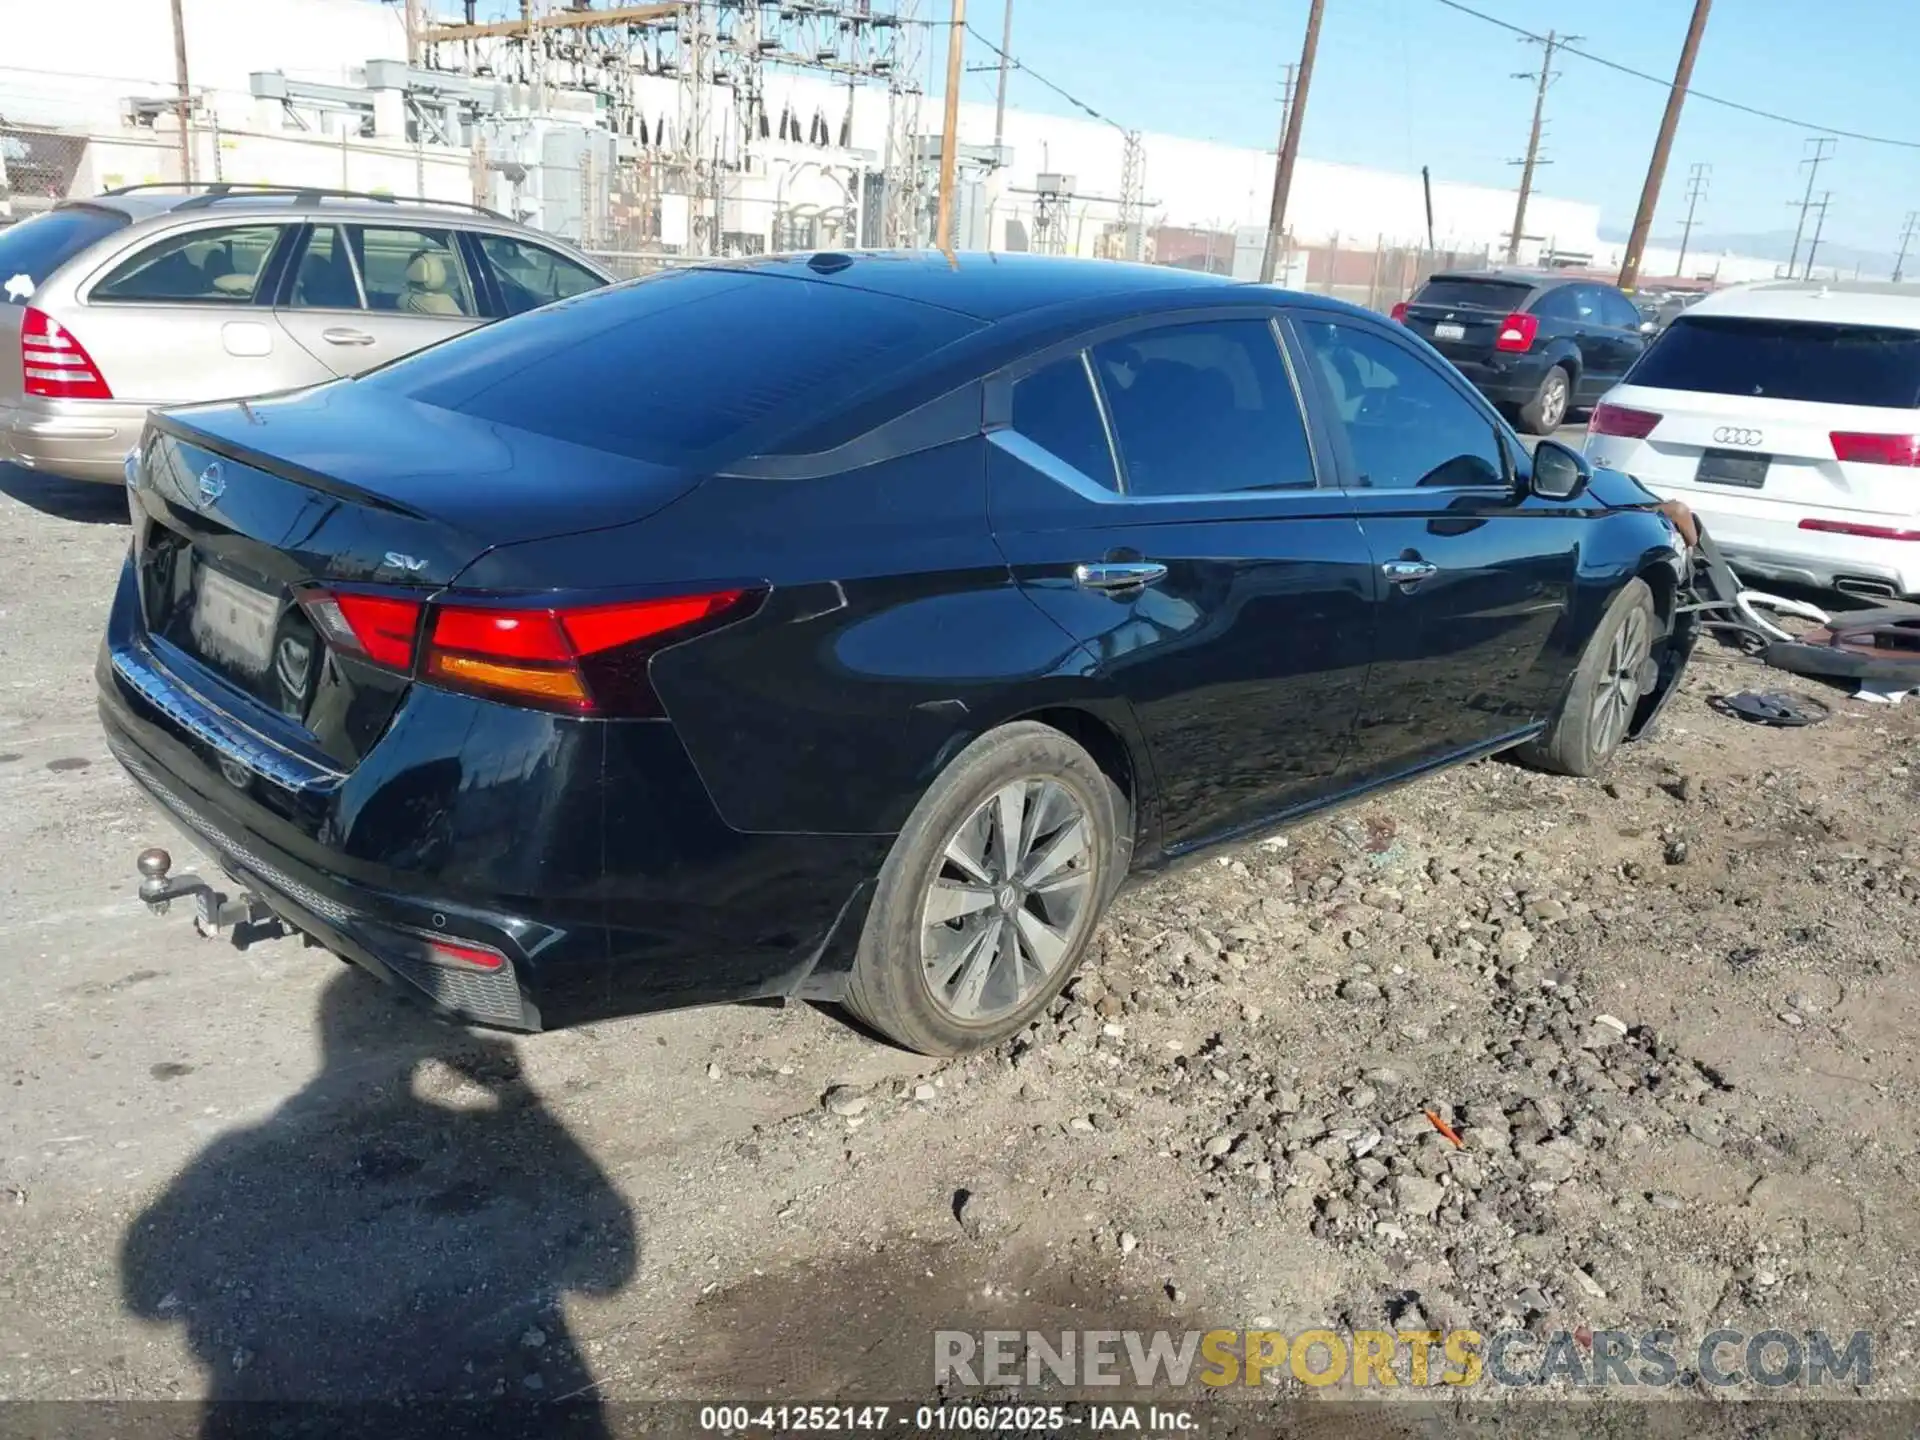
233, 623
1733, 467
1444, 331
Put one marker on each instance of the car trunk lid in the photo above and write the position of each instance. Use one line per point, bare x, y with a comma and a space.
1472, 308
360, 494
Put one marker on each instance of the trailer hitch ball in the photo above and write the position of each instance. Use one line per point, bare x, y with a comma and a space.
153, 866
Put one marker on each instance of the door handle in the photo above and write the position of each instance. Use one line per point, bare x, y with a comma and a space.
1409, 572
339, 335
1110, 576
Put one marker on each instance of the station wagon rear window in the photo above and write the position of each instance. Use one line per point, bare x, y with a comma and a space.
1502, 295
689, 363
33, 249
1786, 360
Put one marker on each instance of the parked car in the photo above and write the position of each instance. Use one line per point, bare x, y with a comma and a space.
1537, 344
165, 295
610, 657
1787, 413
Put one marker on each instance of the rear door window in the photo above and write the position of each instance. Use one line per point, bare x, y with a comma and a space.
1618, 311
412, 272
325, 279
1055, 408
200, 267
1204, 409
687, 365
1786, 360
531, 275
33, 249
1502, 295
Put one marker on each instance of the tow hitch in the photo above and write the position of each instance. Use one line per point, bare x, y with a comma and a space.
245, 914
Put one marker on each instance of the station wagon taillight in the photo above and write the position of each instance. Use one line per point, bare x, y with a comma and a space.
1517, 332
579, 659
53, 364
1399, 312
1875, 449
1621, 420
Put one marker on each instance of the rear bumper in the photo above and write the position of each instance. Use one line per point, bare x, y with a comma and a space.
587, 853
74, 439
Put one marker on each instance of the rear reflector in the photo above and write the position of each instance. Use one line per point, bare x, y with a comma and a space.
1876, 449
1865, 532
54, 365
1517, 332
1621, 421
1399, 313
464, 956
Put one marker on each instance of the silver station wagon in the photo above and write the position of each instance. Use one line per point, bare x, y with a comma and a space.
151, 296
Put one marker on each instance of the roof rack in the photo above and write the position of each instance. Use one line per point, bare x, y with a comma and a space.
201, 196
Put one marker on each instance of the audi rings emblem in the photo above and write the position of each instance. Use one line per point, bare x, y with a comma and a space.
1734, 435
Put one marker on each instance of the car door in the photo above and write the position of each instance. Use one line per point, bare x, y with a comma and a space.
1623, 322
1471, 581
1156, 493
410, 288
185, 318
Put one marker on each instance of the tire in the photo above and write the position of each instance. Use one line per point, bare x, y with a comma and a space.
1546, 412
1597, 709
944, 985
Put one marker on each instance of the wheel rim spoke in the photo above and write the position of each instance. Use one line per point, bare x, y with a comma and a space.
1066, 847
1009, 828
950, 900
1040, 940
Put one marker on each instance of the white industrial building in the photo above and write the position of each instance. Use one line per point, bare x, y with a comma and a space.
319, 92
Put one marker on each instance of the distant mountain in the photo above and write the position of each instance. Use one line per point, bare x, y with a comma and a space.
1778, 245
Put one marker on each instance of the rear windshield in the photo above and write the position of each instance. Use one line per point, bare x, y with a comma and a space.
34, 249
1785, 360
684, 365
1501, 295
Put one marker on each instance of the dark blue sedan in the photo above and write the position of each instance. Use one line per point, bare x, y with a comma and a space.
844, 626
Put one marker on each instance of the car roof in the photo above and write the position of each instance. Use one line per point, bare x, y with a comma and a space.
1836, 302
991, 287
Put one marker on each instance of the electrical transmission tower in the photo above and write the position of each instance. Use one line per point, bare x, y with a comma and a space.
1819, 223
1697, 179
906, 180
1545, 77
1133, 189
1820, 149
1907, 233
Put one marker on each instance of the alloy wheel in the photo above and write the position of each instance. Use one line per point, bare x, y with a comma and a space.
1008, 900
1553, 405
1619, 689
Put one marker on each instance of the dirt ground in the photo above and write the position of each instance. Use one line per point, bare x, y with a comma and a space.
255, 1175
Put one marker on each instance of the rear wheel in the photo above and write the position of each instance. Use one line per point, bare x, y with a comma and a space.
1614, 675
991, 893
1544, 414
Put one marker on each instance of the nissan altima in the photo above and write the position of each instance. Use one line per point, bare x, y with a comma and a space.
844, 626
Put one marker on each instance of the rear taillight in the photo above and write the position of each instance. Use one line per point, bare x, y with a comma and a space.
1517, 332
53, 364
1622, 421
1865, 532
1876, 449
1399, 313
580, 659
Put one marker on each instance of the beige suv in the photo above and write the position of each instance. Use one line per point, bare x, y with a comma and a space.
153, 296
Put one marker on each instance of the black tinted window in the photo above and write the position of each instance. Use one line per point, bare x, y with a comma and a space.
1054, 407
33, 249
677, 366
531, 275
1560, 303
1405, 425
1786, 360
1204, 409
1618, 311
1501, 295
200, 267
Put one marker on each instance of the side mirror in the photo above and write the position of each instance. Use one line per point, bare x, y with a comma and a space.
1559, 473
1647, 327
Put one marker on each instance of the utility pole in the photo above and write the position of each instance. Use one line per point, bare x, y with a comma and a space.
949, 136
1822, 148
1818, 224
1000, 92
1906, 238
1662, 147
1533, 139
1270, 256
416, 22
1696, 187
184, 107
1290, 145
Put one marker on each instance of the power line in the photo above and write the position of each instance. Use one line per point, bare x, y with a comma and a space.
1685, 89
1016, 63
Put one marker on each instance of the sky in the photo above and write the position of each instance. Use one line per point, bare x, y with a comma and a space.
1403, 83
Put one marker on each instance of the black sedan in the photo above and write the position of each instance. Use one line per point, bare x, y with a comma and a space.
1537, 343
844, 626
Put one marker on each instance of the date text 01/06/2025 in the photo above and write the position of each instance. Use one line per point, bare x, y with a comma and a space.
945, 1419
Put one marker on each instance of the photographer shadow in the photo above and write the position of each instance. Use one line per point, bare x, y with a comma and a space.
400, 1233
